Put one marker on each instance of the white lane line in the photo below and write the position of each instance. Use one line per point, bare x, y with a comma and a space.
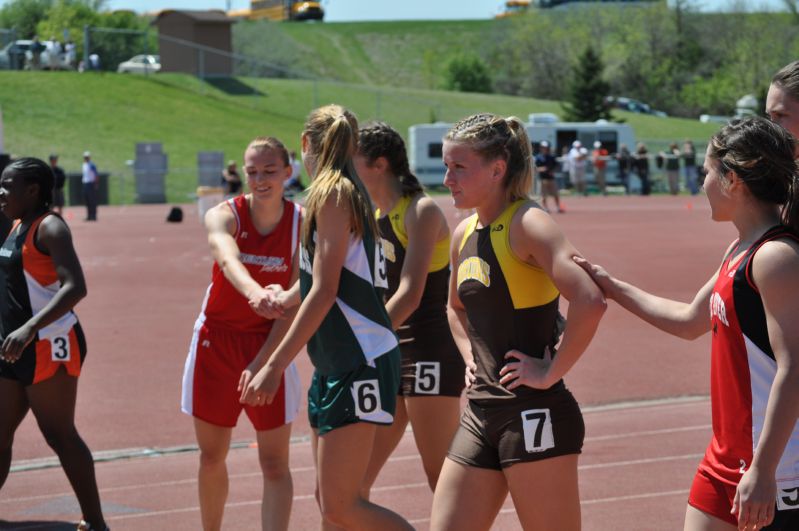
665, 431
640, 461
306, 497
511, 510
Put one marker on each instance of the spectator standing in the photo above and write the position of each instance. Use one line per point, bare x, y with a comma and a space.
577, 159
641, 166
231, 180
58, 185
599, 157
625, 159
690, 168
36, 53
671, 163
71, 54
53, 54
545, 164
91, 183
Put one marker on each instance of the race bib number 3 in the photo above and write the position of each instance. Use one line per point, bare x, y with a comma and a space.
537, 427
59, 348
366, 395
788, 499
428, 376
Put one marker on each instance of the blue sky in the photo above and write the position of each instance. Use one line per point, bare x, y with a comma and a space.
344, 10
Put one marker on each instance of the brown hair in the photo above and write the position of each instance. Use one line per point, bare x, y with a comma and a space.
787, 79
496, 138
378, 139
761, 153
263, 143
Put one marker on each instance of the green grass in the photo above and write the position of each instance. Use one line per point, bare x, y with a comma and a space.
68, 113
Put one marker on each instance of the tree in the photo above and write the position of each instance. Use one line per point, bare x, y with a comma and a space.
587, 93
24, 15
468, 73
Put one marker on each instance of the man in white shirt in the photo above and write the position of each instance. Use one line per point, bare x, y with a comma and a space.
90, 182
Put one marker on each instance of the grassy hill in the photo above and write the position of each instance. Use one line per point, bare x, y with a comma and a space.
400, 53
67, 113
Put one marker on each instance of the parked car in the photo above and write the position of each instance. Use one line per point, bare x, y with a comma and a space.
632, 105
12, 56
140, 64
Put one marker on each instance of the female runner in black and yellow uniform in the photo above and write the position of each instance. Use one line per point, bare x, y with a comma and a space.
522, 429
415, 238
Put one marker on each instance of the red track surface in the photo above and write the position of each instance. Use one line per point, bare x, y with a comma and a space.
146, 281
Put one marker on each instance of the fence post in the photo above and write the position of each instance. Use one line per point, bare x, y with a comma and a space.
86, 46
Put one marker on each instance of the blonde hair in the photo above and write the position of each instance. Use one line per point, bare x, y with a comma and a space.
264, 143
332, 135
496, 138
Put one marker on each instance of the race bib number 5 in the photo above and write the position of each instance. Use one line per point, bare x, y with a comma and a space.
428, 375
59, 348
537, 427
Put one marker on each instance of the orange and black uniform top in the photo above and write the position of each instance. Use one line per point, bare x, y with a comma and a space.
28, 282
509, 305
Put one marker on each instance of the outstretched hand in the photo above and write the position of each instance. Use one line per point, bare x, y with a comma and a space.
526, 370
598, 274
266, 302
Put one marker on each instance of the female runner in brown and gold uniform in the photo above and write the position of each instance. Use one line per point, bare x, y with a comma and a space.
415, 238
522, 429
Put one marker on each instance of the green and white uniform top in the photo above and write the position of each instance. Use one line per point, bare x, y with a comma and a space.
357, 329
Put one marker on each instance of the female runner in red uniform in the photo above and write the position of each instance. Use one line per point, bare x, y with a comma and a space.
254, 240
749, 477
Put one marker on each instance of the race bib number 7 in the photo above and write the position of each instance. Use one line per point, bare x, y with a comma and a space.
59, 348
537, 428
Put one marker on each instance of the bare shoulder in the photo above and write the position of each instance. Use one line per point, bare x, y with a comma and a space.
53, 226
533, 221
424, 209
776, 261
220, 217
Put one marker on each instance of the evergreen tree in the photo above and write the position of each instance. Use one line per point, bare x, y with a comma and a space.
587, 93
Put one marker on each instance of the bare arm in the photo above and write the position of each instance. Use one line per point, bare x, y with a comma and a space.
685, 320
423, 225
456, 313
333, 235
220, 223
539, 241
279, 329
53, 237
775, 271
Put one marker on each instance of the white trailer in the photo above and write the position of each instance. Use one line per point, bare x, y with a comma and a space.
425, 143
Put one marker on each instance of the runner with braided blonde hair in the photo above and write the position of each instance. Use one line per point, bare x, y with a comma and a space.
522, 429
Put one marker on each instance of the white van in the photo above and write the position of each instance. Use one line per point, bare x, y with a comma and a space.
425, 144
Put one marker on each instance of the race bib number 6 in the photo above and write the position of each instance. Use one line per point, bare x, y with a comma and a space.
59, 348
366, 395
537, 427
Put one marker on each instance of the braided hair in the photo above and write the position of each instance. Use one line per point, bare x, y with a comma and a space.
378, 139
496, 138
